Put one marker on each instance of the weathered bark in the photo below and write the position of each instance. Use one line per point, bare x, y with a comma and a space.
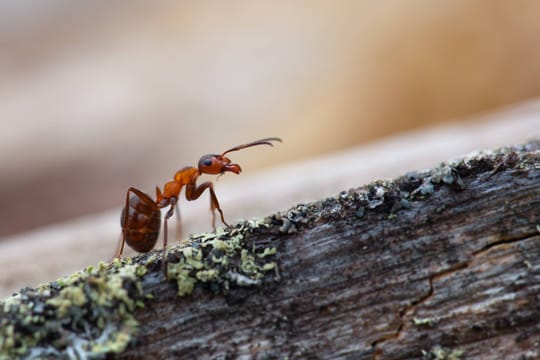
446, 262
437, 264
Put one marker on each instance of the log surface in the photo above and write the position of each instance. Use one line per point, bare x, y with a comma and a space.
438, 264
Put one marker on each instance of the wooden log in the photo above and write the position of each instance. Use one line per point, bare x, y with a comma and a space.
438, 264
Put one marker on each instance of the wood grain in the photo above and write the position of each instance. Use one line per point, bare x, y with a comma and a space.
438, 264
367, 274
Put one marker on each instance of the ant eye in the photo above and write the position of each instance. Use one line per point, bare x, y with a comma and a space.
207, 162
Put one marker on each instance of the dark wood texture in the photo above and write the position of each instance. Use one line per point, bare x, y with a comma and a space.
437, 264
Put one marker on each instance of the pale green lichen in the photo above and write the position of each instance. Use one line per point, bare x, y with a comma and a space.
87, 314
220, 245
192, 258
91, 313
68, 297
115, 343
207, 275
184, 281
269, 266
267, 252
249, 267
12, 301
221, 257
425, 321
440, 353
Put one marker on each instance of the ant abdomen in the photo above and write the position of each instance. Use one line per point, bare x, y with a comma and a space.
142, 224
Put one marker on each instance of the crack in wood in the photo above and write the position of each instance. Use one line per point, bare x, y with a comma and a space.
409, 309
513, 240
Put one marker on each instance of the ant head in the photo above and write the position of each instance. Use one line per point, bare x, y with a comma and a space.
217, 164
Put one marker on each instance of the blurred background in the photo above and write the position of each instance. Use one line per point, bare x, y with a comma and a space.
97, 96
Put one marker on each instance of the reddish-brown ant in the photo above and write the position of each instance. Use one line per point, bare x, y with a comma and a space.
141, 222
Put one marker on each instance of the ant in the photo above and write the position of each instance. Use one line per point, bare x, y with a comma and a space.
141, 222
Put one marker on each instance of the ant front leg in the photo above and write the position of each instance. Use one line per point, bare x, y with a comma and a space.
193, 192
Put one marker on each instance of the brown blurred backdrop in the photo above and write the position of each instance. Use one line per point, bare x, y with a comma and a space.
95, 97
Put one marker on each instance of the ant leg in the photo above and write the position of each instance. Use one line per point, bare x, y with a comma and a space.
169, 213
214, 205
120, 247
124, 221
193, 192
178, 223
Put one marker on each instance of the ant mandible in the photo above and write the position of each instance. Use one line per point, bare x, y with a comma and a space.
141, 222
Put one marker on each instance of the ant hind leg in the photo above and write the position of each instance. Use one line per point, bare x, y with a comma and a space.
169, 214
120, 247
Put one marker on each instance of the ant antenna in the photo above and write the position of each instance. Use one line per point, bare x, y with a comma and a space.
266, 141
